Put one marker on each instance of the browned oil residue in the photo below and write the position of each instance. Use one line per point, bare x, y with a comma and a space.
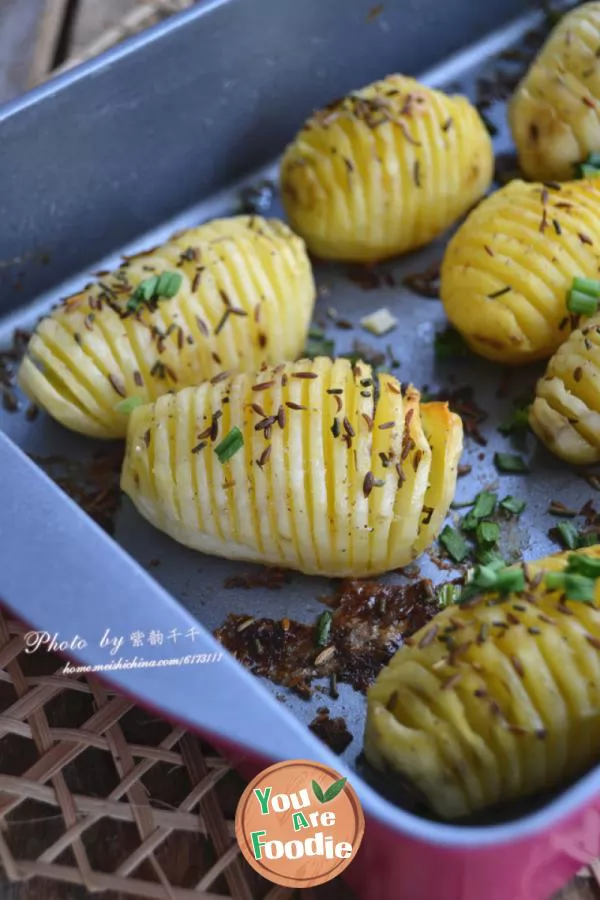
92, 483
333, 732
369, 622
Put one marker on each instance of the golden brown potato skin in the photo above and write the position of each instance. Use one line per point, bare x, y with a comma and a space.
331, 479
494, 701
507, 270
90, 353
385, 170
555, 111
565, 414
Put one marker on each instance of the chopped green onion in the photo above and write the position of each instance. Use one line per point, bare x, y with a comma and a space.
568, 534
128, 405
230, 445
164, 285
510, 581
584, 170
484, 505
168, 284
513, 505
576, 587
146, 289
588, 540
518, 422
488, 534
449, 344
324, 629
493, 578
454, 543
491, 559
510, 463
590, 286
319, 347
448, 594
485, 577
581, 564
462, 504
581, 304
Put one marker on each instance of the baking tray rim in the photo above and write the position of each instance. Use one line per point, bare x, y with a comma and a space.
439, 834
567, 803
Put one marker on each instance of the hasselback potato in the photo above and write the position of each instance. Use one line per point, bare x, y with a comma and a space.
507, 270
225, 296
496, 698
554, 114
334, 470
384, 170
566, 411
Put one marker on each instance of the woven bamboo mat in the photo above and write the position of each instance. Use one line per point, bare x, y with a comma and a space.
98, 795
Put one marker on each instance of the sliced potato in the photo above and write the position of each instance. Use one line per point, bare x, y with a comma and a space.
385, 170
555, 112
507, 270
565, 414
336, 471
245, 294
492, 701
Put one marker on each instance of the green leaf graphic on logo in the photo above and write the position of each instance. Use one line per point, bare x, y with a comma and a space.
318, 792
334, 789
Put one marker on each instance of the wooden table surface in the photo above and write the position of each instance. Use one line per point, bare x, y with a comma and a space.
35, 34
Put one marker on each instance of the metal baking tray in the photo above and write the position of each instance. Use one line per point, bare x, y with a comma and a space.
160, 134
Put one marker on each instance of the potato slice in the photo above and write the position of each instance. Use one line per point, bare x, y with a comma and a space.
245, 295
507, 270
492, 701
565, 414
555, 111
340, 472
385, 170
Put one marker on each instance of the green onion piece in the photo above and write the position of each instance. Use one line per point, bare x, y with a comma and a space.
324, 629
488, 534
513, 505
580, 564
454, 543
510, 463
575, 587
590, 286
168, 284
518, 422
129, 404
485, 577
319, 347
593, 159
449, 344
462, 504
589, 540
510, 581
146, 289
491, 559
315, 333
230, 445
164, 285
584, 170
448, 594
581, 304
568, 534
484, 506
